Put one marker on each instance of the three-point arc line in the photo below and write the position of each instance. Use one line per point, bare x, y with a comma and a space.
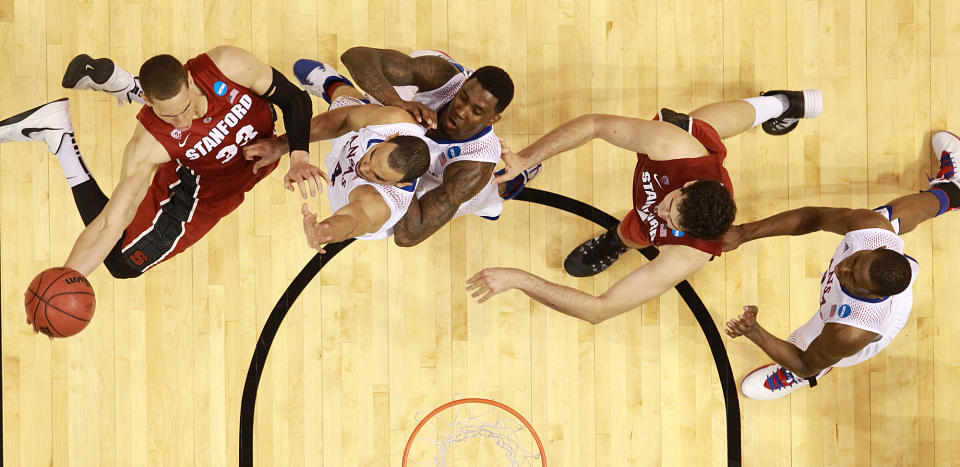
270, 328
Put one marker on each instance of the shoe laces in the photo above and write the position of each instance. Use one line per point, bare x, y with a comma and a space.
781, 379
947, 165
595, 254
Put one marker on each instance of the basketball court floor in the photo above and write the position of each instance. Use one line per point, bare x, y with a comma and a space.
383, 335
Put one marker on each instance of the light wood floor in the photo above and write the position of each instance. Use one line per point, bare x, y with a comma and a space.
384, 334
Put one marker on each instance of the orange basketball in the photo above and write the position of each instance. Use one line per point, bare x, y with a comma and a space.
59, 302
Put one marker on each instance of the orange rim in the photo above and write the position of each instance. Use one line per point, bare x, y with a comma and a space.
475, 400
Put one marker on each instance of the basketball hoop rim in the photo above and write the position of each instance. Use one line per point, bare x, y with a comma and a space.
474, 400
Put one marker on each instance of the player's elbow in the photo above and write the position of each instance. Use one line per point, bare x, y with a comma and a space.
404, 239
355, 55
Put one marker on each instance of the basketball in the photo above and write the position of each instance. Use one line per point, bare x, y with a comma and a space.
59, 302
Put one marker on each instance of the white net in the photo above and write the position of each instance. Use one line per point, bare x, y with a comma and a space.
475, 434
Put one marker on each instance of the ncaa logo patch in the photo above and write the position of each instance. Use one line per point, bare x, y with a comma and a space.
220, 88
454, 151
677, 233
843, 311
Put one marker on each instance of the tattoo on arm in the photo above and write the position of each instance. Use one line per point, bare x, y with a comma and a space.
461, 181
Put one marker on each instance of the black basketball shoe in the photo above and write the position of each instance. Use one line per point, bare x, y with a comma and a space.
102, 74
595, 256
802, 104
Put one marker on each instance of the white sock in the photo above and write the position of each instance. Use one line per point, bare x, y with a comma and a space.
767, 107
71, 162
124, 86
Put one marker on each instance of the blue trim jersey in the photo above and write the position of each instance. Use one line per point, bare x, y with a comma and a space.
884, 316
341, 166
482, 147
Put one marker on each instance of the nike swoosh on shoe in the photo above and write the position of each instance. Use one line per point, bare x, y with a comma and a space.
27, 131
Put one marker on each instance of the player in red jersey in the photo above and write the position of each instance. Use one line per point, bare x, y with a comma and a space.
682, 198
197, 118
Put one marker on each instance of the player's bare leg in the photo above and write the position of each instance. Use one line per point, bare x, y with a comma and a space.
777, 111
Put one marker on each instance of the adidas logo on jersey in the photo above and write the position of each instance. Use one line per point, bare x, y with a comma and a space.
221, 130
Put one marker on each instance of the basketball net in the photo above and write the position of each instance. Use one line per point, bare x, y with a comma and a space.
447, 433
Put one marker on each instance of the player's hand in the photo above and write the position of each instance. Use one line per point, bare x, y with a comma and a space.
266, 150
491, 281
318, 233
304, 174
733, 238
37, 330
743, 324
421, 113
514, 164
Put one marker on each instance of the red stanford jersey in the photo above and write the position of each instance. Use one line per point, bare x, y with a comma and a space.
211, 148
654, 179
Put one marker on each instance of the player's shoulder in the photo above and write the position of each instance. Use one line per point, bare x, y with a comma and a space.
144, 146
227, 55
385, 115
864, 219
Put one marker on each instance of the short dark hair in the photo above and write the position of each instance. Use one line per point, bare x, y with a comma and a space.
497, 82
411, 157
162, 77
890, 272
707, 209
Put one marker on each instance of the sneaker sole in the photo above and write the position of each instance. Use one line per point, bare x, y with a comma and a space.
40, 108
77, 70
812, 103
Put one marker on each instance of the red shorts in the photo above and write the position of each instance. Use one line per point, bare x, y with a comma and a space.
174, 214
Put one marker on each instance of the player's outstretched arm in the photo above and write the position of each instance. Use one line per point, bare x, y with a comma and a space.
805, 220
365, 213
461, 181
657, 139
377, 71
141, 157
673, 265
835, 342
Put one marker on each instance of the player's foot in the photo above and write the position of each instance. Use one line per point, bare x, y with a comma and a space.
513, 187
772, 382
49, 123
596, 255
317, 78
102, 74
946, 147
800, 104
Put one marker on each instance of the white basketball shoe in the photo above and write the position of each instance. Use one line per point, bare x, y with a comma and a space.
49, 123
946, 147
773, 382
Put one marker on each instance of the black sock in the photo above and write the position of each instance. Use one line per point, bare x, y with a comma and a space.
952, 192
90, 200
612, 239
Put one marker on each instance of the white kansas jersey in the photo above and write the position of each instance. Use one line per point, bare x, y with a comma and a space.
483, 147
884, 316
341, 165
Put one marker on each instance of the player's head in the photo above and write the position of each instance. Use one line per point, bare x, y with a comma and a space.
167, 88
397, 161
701, 209
874, 273
478, 104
